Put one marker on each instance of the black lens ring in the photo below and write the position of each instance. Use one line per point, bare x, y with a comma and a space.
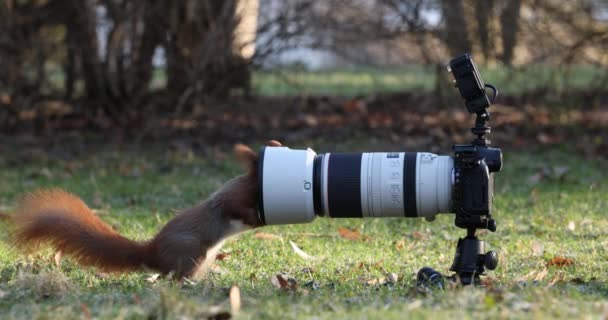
344, 185
409, 184
261, 186
317, 182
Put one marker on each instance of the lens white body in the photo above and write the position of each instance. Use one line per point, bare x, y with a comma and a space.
383, 188
352, 185
286, 189
434, 182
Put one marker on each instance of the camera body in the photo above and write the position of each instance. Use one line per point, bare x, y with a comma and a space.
473, 190
298, 185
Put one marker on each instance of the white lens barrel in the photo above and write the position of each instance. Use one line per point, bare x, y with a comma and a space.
410, 184
433, 184
286, 192
297, 184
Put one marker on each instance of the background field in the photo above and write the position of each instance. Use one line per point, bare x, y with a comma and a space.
550, 204
370, 80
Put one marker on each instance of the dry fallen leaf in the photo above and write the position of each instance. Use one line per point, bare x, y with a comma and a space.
235, 299
374, 281
153, 278
284, 282
349, 234
222, 256
418, 235
267, 236
399, 244
560, 262
57, 257
301, 252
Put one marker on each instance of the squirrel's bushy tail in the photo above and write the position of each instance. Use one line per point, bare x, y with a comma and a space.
62, 220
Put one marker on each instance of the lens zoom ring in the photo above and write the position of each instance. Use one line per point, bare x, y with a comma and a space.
344, 185
409, 184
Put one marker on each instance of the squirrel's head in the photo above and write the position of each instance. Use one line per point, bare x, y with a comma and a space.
243, 191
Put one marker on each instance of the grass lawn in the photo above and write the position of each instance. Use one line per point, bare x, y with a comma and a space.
540, 217
365, 81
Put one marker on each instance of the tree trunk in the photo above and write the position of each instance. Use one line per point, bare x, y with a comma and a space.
202, 56
484, 13
80, 26
456, 34
81, 23
151, 38
509, 24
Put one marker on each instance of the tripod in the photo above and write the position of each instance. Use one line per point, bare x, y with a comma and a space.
470, 262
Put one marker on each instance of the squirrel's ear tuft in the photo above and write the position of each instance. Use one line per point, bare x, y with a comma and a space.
246, 156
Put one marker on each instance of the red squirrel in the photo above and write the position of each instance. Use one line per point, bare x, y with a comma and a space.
184, 246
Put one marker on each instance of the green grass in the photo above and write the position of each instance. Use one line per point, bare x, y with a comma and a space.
365, 81
137, 190
370, 80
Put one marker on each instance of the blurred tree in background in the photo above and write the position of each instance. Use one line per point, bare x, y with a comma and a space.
102, 57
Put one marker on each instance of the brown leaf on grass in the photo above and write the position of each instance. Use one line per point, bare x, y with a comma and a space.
399, 244
284, 282
560, 262
355, 106
222, 256
267, 236
418, 235
235, 299
367, 267
374, 281
350, 234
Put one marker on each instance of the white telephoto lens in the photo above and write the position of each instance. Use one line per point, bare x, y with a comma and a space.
404, 184
286, 192
382, 184
433, 184
297, 185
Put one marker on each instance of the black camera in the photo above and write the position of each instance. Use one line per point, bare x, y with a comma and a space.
296, 186
469, 83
